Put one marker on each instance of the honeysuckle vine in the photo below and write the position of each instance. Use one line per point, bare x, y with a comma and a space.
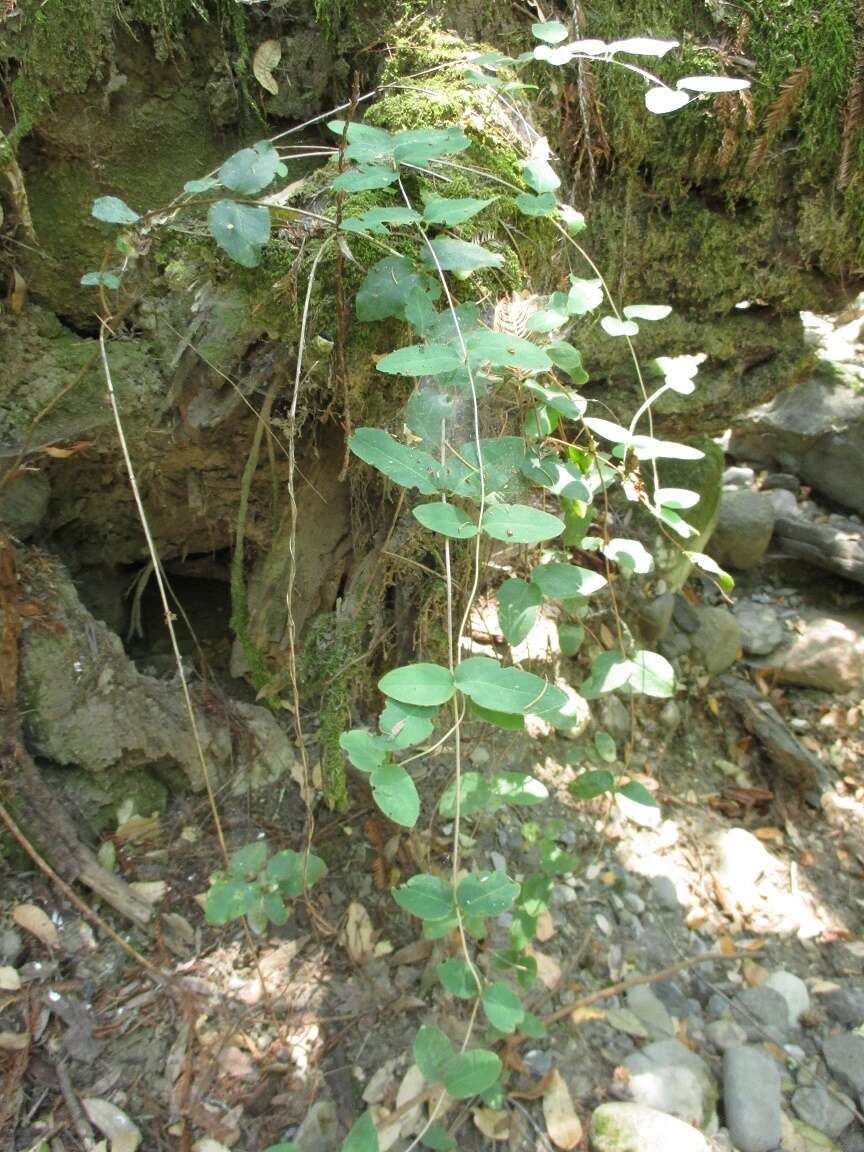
535, 491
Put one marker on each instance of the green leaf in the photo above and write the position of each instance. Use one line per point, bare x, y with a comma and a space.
638, 793
286, 869
591, 784
506, 689
569, 360
652, 675
406, 724
228, 900
248, 860
438, 1139
471, 1073
425, 684
509, 721
196, 187
710, 565
629, 555
540, 422
570, 638
365, 178
533, 1027
443, 210
612, 326
502, 465
584, 296
566, 581
274, 908
394, 792
547, 319
518, 606
648, 448
409, 467
289, 1147
555, 861
360, 748
420, 145
521, 524
550, 31
647, 311
112, 210
250, 170
543, 205
256, 917
363, 1136
518, 788
366, 143
486, 893
540, 175
388, 287
240, 230
574, 221
607, 430
503, 1007
475, 795
605, 746
460, 255
676, 498
458, 979
609, 671
566, 403
505, 351
426, 897
432, 1051
420, 360
94, 279
446, 519
375, 219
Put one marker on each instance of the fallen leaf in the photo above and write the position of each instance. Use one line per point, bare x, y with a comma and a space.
17, 292
753, 973
37, 923
14, 1041
377, 1088
150, 891
582, 1015
562, 1123
493, 1123
411, 953
138, 828
727, 946
113, 1123
545, 927
623, 1020
412, 1085
10, 981
65, 453
267, 56
548, 970
359, 934
774, 835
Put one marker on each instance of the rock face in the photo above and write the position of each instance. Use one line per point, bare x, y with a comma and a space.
814, 430
827, 653
743, 529
751, 1099
635, 1128
85, 704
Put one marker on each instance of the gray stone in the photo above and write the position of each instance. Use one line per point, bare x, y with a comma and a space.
685, 615
781, 481
844, 1055
624, 1127
738, 477
846, 1005
725, 1034
783, 502
11, 945
670, 715
793, 990
320, 1130
761, 631
665, 892
669, 1077
615, 718
751, 1099
654, 617
814, 430
651, 1011
762, 1010
820, 1109
743, 530
23, 504
717, 639
827, 652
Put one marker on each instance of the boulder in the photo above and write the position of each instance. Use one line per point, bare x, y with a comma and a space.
23, 503
716, 640
743, 529
844, 1055
761, 630
667, 1076
624, 1127
827, 652
814, 430
751, 1099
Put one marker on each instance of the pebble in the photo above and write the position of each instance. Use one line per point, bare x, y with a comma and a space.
10, 945
739, 477
777, 480
844, 1055
667, 1076
817, 1107
761, 631
717, 639
846, 1005
665, 892
725, 1034
670, 715
762, 1010
743, 530
624, 1127
651, 1011
538, 1061
793, 990
785, 503
751, 1099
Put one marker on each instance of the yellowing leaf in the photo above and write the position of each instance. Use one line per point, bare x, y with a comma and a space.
37, 923
562, 1123
581, 1015
267, 56
495, 1125
10, 981
359, 934
113, 1123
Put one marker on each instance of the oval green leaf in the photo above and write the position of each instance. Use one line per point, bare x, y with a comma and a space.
503, 1007
471, 1073
446, 519
426, 684
521, 524
394, 792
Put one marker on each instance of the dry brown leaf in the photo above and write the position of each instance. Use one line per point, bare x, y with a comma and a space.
150, 891
10, 981
65, 453
33, 920
138, 828
412, 1085
753, 973
17, 292
14, 1041
545, 927
772, 835
113, 1123
562, 1123
581, 1015
411, 953
548, 970
727, 945
494, 1124
267, 56
359, 934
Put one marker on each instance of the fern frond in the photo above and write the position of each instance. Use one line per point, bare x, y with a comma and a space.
778, 115
853, 117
